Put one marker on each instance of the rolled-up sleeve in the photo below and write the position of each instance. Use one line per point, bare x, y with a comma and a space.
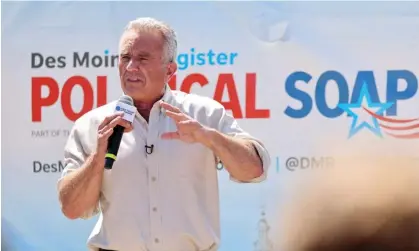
75, 155
229, 126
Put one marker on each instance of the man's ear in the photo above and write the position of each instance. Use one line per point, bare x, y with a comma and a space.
171, 69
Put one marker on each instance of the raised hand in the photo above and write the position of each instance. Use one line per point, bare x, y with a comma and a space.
188, 129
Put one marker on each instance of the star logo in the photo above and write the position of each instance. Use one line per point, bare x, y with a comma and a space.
362, 112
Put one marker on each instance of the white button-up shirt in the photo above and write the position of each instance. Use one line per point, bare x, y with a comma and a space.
164, 201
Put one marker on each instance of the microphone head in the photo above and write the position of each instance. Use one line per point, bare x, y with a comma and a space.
126, 100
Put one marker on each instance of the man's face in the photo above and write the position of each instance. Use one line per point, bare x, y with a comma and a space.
142, 66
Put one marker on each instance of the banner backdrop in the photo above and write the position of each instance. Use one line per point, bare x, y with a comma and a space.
306, 78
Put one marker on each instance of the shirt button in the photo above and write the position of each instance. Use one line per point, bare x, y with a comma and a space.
153, 178
156, 240
154, 209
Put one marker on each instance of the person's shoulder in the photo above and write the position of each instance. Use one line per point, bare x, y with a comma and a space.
95, 116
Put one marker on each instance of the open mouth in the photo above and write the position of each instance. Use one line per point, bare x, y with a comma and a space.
133, 79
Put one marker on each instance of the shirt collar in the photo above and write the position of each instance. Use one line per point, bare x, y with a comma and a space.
168, 94
167, 97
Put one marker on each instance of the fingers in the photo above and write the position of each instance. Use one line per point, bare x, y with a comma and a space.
103, 137
186, 123
173, 112
170, 107
117, 120
176, 116
170, 135
128, 128
106, 134
122, 122
108, 119
106, 129
112, 124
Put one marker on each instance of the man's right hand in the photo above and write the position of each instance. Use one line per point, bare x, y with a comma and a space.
79, 190
105, 130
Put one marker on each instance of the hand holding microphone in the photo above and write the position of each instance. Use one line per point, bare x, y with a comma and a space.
112, 128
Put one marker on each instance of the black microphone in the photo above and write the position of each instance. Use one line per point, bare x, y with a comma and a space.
126, 105
149, 149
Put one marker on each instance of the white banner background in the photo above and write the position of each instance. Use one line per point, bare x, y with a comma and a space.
272, 40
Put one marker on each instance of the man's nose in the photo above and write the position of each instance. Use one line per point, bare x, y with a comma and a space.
133, 65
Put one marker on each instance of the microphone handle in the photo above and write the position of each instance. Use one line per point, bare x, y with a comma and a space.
113, 146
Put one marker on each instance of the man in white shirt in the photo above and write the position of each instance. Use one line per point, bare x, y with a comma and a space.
167, 199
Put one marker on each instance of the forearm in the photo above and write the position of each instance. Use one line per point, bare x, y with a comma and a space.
238, 156
79, 190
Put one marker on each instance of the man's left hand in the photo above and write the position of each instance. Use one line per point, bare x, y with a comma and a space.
188, 129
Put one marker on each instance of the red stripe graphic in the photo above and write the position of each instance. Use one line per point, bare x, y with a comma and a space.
398, 127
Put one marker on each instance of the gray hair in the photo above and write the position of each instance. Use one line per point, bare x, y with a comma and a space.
169, 35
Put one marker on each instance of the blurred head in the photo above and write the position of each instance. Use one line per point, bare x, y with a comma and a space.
362, 206
147, 51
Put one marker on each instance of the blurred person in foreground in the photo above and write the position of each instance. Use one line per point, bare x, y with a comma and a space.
166, 200
361, 206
